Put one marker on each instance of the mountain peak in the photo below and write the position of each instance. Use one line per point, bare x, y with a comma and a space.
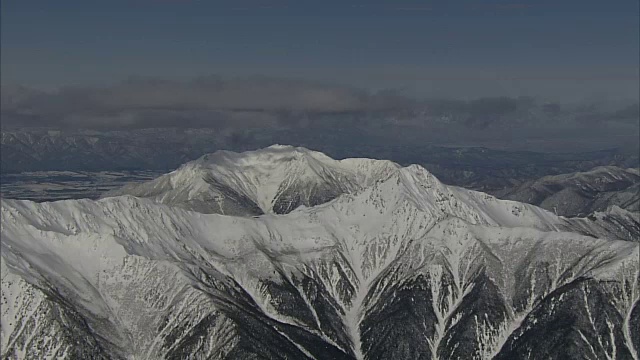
382, 262
261, 181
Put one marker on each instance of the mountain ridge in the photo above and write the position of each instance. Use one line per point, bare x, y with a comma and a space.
405, 268
581, 193
262, 180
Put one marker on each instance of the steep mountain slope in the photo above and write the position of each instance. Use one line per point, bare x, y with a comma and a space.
276, 179
406, 268
581, 193
613, 223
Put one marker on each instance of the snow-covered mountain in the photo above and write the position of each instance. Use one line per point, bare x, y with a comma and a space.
613, 223
276, 179
581, 193
398, 267
164, 149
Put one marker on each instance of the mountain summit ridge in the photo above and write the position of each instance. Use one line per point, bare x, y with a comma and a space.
263, 181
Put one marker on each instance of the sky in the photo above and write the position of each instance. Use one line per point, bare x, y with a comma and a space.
564, 50
489, 73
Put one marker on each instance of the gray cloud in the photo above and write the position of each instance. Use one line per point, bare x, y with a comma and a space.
486, 112
206, 101
483, 112
629, 113
236, 107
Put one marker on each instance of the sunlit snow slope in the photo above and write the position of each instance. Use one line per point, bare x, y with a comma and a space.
403, 267
276, 179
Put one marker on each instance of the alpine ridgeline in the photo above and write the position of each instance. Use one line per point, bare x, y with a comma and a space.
581, 193
277, 179
381, 262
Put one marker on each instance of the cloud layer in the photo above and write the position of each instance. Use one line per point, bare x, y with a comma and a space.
240, 105
203, 102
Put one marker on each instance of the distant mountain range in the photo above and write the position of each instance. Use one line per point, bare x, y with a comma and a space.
581, 193
165, 149
316, 259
